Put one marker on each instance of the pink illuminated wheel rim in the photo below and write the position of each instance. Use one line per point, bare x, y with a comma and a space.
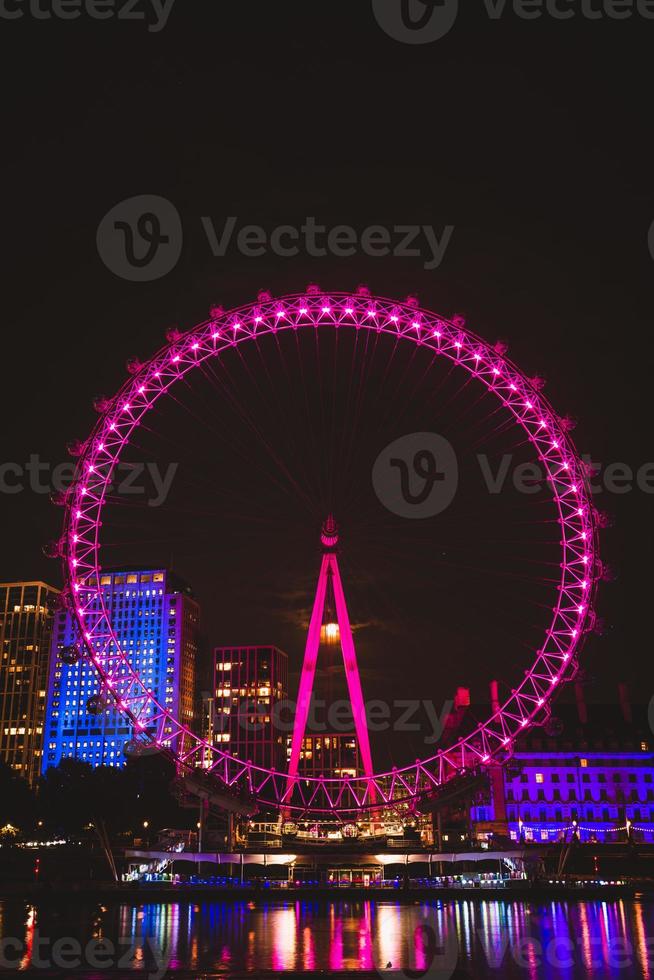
554, 662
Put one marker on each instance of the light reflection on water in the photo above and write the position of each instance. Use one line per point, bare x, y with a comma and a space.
556, 939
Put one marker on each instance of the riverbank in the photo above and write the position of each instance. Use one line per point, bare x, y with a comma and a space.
160, 891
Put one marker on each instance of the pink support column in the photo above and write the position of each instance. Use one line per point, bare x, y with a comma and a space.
329, 569
308, 674
351, 668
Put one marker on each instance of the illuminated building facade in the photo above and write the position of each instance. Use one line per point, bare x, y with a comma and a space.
25, 635
590, 772
328, 755
156, 620
251, 682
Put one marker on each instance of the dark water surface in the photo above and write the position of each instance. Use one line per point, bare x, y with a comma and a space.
438, 939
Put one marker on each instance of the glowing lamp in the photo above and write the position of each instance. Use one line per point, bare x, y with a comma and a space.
330, 633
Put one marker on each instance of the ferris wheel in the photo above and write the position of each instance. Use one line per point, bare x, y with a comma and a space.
554, 659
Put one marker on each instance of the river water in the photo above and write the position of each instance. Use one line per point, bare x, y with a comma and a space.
434, 939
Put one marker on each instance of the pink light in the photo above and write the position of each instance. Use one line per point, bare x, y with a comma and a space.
415, 325
84, 491
216, 335
258, 319
127, 408
141, 389
175, 358
195, 346
280, 313
303, 310
394, 318
496, 371
237, 326
78, 513
437, 333
348, 309
101, 447
326, 309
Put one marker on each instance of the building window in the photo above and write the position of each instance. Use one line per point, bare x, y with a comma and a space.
539, 777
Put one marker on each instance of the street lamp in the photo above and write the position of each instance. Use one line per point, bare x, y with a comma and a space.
146, 824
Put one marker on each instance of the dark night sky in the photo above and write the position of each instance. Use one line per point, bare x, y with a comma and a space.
532, 138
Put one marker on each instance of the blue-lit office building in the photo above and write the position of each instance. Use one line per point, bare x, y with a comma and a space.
156, 620
589, 772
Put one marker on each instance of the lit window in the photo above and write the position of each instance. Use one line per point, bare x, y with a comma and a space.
539, 777
583, 763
